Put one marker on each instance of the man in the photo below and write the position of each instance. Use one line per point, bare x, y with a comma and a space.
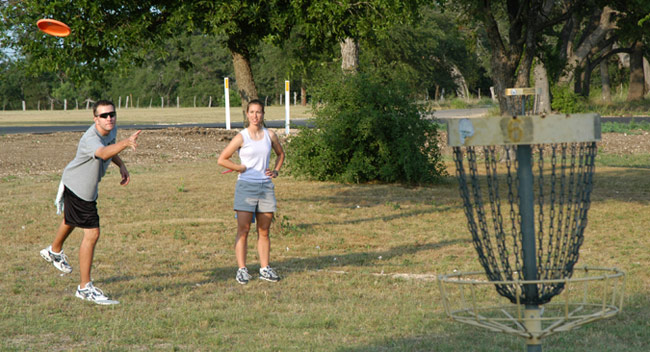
79, 184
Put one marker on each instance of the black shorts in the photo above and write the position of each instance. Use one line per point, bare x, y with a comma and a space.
78, 212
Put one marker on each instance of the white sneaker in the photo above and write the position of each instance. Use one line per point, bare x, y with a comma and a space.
93, 294
269, 274
243, 276
59, 260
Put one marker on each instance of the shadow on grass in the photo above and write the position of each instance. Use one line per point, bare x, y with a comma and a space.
402, 215
285, 267
626, 331
370, 195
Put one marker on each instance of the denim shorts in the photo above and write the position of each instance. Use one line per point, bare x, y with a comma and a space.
255, 197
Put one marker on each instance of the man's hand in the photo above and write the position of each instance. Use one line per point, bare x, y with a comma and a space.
125, 173
131, 141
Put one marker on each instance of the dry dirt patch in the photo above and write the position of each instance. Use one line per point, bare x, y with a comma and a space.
34, 154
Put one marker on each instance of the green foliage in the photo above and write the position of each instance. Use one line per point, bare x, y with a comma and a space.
423, 53
194, 67
633, 127
367, 130
565, 100
619, 106
458, 103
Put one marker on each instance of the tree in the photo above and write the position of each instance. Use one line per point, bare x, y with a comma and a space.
633, 34
513, 32
106, 33
427, 53
241, 25
347, 21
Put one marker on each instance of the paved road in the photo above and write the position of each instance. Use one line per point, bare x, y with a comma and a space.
442, 115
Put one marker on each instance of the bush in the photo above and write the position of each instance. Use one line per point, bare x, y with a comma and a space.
366, 130
567, 101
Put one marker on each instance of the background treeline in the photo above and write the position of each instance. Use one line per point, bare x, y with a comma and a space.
148, 50
193, 66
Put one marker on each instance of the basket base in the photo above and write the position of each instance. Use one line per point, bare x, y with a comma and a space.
591, 294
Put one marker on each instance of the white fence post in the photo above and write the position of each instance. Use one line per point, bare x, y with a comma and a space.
178, 102
65, 104
286, 107
162, 102
24, 107
126, 105
226, 89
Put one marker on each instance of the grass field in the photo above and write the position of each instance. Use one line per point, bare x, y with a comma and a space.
145, 116
358, 262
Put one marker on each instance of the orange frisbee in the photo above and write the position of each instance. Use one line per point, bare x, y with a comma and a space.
53, 27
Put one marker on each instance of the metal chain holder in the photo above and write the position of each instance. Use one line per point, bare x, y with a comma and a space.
526, 183
567, 205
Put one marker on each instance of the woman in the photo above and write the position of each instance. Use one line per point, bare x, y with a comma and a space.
254, 192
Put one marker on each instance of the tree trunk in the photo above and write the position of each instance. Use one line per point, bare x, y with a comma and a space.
637, 83
506, 55
541, 82
575, 59
349, 56
461, 85
604, 79
244, 77
646, 74
303, 95
586, 80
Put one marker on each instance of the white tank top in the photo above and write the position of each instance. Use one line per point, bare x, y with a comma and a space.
255, 156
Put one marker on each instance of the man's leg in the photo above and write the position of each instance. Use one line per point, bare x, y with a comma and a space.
54, 253
86, 253
61, 235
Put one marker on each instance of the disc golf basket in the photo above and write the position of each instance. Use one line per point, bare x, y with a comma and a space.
525, 182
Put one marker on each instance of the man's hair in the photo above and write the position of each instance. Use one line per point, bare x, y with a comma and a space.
101, 102
255, 101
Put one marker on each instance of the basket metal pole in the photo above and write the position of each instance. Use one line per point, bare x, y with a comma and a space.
527, 212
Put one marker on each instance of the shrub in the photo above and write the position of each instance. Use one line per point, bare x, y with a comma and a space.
366, 130
567, 101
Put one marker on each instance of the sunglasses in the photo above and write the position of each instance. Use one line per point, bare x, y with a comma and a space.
107, 114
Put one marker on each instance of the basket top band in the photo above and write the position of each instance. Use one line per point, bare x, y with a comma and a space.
531, 129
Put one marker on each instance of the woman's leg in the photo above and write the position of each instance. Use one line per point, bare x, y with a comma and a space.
244, 219
263, 239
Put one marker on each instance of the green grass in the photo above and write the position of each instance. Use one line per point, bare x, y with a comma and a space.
618, 106
167, 255
633, 127
624, 160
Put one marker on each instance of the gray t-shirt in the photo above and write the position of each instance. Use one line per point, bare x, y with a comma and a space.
82, 175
